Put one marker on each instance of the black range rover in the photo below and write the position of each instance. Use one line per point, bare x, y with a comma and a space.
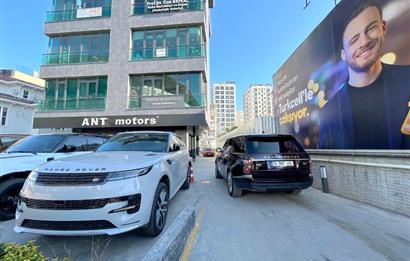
263, 163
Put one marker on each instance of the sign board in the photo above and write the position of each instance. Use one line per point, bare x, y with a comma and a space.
316, 96
160, 52
166, 5
161, 102
89, 12
163, 120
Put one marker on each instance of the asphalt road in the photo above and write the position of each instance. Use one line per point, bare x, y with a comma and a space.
257, 226
278, 226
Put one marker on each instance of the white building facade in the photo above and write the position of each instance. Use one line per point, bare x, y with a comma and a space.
258, 102
19, 94
224, 99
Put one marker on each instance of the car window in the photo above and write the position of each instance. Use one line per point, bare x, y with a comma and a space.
181, 142
174, 140
237, 146
93, 142
74, 144
156, 142
226, 146
274, 145
37, 144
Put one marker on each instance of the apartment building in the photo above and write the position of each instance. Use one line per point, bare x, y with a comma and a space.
258, 102
224, 99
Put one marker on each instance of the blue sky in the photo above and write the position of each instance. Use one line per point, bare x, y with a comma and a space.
250, 40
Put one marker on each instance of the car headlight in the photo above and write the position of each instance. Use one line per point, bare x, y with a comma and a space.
129, 174
33, 176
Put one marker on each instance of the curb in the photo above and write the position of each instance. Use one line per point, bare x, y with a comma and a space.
171, 244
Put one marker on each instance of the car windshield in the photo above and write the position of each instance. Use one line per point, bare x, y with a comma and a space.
274, 145
156, 142
37, 144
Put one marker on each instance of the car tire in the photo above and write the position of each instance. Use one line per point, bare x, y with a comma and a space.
187, 182
233, 190
158, 217
9, 192
217, 174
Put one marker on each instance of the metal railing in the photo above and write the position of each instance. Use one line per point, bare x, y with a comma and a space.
70, 15
192, 5
75, 57
186, 51
71, 104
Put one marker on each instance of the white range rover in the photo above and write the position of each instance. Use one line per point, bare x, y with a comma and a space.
124, 185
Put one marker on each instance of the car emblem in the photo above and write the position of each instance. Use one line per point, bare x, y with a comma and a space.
95, 179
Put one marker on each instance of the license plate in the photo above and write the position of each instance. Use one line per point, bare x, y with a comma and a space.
281, 164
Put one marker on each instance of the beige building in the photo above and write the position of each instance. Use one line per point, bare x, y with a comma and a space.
224, 99
258, 102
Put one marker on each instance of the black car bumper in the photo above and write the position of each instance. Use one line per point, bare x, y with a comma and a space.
253, 185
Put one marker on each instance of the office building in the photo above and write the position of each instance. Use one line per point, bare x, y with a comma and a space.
127, 65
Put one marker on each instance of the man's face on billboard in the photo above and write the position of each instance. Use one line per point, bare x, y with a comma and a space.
363, 39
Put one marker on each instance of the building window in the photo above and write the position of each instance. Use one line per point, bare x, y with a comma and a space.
190, 85
3, 113
87, 48
167, 43
75, 94
25, 94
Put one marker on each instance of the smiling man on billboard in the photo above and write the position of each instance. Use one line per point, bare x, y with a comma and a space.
370, 109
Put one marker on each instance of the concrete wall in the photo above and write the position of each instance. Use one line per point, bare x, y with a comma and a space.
378, 178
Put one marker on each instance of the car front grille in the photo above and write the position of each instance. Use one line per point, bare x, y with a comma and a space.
71, 178
67, 225
65, 204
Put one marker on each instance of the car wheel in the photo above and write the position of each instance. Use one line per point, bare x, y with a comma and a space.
217, 174
187, 182
9, 192
232, 189
159, 212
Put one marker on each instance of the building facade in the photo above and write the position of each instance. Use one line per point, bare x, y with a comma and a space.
19, 94
127, 65
224, 99
258, 102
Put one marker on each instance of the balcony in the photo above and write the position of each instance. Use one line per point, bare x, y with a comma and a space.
193, 5
71, 15
71, 104
187, 51
75, 57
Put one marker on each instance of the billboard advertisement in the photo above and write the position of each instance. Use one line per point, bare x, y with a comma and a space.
347, 86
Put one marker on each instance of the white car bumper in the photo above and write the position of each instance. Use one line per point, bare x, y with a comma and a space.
43, 219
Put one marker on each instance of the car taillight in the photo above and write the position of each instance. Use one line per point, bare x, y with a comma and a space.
247, 166
310, 168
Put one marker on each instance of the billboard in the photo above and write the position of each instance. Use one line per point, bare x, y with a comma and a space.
347, 86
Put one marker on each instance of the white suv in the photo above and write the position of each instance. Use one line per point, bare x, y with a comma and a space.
21, 158
124, 185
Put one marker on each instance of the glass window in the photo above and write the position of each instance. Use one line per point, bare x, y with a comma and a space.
72, 89
74, 143
93, 142
137, 142
38, 144
273, 145
102, 86
3, 111
170, 84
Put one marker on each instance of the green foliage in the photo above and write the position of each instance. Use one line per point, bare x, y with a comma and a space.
27, 252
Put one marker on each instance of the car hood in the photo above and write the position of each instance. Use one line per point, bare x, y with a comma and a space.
21, 162
104, 162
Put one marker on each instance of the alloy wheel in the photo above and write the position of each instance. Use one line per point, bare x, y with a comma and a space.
162, 209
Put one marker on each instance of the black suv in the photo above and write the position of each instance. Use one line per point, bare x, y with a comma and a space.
263, 163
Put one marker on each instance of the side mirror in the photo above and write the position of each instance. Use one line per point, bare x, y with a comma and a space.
219, 150
176, 147
66, 149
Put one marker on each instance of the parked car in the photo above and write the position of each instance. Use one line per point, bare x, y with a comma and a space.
126, 184
6, 140
263, 163
20, 159
209, 152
